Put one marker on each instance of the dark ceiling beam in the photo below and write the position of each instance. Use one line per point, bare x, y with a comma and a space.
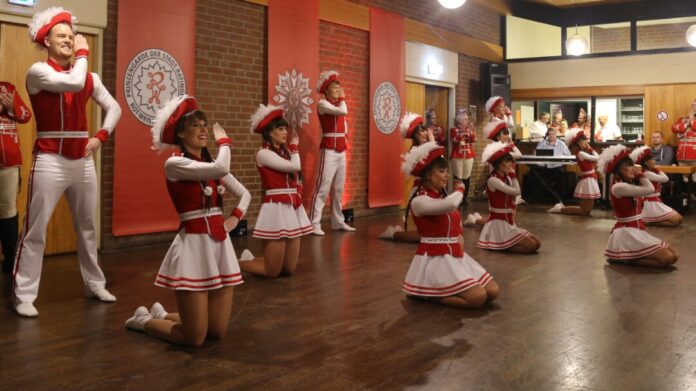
600, 14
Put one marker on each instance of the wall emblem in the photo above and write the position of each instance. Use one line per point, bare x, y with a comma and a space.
386, 107
293, 96
153, 77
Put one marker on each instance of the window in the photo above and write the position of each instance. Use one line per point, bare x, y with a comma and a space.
663, 33
529, 39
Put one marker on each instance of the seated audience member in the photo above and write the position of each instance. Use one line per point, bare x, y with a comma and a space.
663, 154
554, 174
537, 130
564, 128
557, 118
607, 131
583, 122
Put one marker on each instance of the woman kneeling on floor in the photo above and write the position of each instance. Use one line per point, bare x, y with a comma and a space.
655, 212
441, 270
628, 242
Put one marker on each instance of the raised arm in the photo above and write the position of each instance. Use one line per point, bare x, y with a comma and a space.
42, 77
497, 184
582, 155
107, 102
427, 206
178, 168
659, 177
622, 189
325, 107
270, 159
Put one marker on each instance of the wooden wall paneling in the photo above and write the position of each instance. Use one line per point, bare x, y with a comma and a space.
415, 103
577, 92
659, 98
423, 33
345, 13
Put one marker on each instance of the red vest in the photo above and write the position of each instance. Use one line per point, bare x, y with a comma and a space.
189, 196
330, 125
501, 205
10, 154
65, 111
587, 167
463, 143
687, 138
439, 234
280, 187
627, 211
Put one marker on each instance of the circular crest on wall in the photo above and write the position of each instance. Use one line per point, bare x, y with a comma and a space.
153, 77
386, 107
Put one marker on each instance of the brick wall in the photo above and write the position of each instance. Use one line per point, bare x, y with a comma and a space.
663, 36
468, 92
231, 81
610, 39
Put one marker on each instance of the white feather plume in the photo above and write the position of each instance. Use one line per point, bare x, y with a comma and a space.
490, 150
323, 77
261, 113
161, 118
415, 155
636, 153
571, 134
406, 122
491, 101
41, 18
608, 155
488, 129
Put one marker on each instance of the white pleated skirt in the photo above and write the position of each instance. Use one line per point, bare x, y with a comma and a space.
196, 262
654, 211
587, 188
279, 221
500, 235
632, 243
443, 275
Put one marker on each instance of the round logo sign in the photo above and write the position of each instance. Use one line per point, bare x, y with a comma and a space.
386, 107
153, 77
662, 116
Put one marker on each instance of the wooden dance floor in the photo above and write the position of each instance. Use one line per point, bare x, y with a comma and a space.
565, 320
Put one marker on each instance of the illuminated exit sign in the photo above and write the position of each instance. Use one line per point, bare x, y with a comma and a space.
27, 3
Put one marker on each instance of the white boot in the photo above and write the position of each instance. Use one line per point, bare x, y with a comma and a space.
470, 220
139, 319
388, 233
246, 256
157, 311
477, 215
343, 227
27, 309
103, 295
317, 230
556, 208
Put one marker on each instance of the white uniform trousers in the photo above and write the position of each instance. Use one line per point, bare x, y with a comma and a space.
9, 182
332, 169
51, 176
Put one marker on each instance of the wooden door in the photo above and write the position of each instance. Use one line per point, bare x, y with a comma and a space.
438, 98
415, 103
17, 54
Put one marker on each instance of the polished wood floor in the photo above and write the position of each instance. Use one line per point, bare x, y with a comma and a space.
565, 320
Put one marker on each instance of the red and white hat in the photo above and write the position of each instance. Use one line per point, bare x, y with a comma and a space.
573, 135
493, 128
43, 22
263, 116
408, 124
163, 131
611, 156
492, 102
419, 157
495, 151
640, 154
325, 79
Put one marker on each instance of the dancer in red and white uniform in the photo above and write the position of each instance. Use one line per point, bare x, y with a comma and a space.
500, 231
463, 137
200, 266
587, 189
498, 110
441, 270
12, 111
413, 128
685, 130
629, 243
332, 111
63, 151
282, 219
655, 212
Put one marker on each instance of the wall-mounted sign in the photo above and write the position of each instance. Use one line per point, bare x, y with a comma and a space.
662, 116
26, 3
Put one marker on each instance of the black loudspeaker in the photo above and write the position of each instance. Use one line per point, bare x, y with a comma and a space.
495, 81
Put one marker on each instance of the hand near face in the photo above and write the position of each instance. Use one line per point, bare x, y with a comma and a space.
294, 138
80, 43
431, 136
341, 93
218, 132
6, 101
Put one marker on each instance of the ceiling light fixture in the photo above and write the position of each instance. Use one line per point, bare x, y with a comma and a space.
691, 35
577, 45
451, 4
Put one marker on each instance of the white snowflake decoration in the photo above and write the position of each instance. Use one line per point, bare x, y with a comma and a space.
293, 95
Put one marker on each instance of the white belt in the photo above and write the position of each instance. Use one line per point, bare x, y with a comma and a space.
688, 140
653, 195
63, 134
7, 133
629, 219
587, 172
194, 214
281, 191
496, 210
334, 135
8, 127
441, 240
